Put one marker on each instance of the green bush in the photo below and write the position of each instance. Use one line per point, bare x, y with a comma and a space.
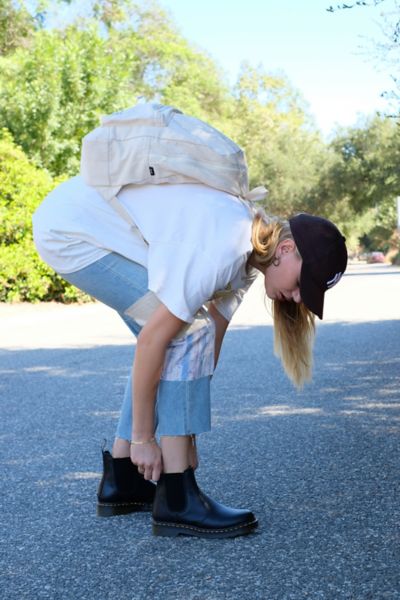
23, 275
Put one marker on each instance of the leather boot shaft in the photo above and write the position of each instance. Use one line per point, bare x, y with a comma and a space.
122, 489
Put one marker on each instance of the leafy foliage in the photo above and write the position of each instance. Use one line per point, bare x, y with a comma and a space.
16, 26
344, 6
359, 188
23, 276
269, 119
53, 94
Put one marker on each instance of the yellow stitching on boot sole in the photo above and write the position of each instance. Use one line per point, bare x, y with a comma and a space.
123, 503
177, 525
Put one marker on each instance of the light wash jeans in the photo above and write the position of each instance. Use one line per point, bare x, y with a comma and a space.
182, 404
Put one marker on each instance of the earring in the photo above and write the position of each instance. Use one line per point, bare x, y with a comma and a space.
277, 261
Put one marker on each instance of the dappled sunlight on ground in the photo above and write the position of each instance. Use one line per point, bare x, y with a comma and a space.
286, 410
82, 475
319, 467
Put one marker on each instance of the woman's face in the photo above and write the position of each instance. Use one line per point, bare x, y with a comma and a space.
283, 282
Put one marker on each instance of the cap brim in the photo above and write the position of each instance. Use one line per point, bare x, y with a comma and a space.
311, 294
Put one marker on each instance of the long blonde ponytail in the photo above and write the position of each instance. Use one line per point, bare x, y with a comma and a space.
294, 324
294, 332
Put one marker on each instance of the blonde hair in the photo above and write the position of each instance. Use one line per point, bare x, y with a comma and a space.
294, 324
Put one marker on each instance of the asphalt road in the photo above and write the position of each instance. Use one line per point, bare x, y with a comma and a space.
320, 468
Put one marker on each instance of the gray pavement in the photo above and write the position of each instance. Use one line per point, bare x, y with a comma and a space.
320, 468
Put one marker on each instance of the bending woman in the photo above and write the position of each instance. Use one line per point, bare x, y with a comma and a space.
176, 281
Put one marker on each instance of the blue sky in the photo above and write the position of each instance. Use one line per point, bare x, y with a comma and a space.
325, 55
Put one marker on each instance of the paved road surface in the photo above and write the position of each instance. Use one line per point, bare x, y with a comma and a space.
320, 468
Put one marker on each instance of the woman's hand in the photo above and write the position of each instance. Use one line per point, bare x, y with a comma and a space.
148, 459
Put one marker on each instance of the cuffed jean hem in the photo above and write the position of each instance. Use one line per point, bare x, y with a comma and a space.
182, 408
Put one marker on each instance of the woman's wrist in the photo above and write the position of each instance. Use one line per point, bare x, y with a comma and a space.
140, 442
143, 436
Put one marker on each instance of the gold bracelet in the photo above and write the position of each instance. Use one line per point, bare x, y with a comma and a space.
150, 441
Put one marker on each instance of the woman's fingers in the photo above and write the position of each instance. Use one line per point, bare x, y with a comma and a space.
156, 472
152, 471
148, 460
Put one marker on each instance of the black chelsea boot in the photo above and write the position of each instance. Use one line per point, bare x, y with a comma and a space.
180, 507
122, 489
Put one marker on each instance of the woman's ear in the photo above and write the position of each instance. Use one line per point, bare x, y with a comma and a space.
285, 247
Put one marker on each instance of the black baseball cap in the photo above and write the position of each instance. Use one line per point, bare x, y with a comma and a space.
323, 251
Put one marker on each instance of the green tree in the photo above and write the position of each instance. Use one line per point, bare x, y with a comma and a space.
283, 150
360, 181
17, 26
53, 94
23, 276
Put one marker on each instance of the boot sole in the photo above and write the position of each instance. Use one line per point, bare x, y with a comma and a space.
112, 510
175, 529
